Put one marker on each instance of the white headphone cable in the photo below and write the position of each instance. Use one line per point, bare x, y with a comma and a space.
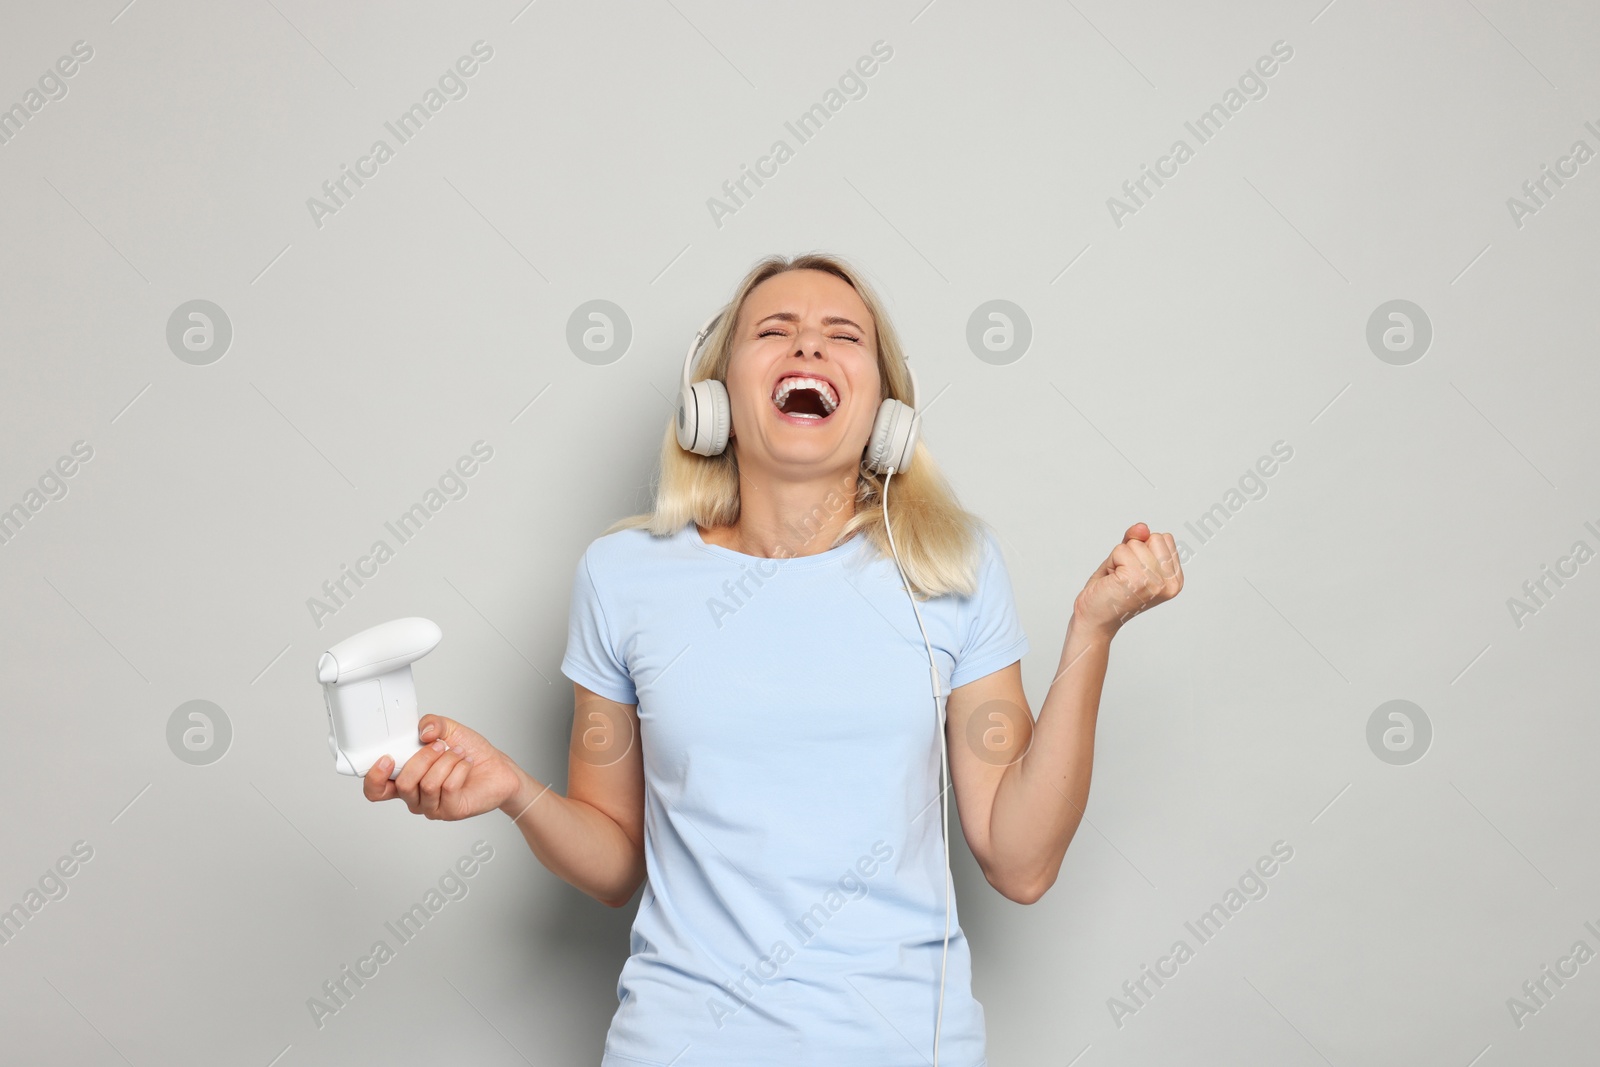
944, 767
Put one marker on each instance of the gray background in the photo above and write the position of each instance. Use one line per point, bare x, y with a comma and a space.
1168, 354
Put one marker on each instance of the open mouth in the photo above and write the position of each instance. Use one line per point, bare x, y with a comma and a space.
803, 397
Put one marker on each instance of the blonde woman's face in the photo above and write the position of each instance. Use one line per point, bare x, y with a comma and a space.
811, 324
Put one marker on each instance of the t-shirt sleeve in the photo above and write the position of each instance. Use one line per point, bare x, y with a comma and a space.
591, 658
991, 629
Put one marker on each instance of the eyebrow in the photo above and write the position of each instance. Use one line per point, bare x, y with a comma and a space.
827, 320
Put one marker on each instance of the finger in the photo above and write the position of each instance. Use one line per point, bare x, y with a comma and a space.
1166, 556
454, 784
1134, 534
1123, 565
1119, 557
1128, 561
1149, 566
375, 784
405, 782
428, 788
431, 728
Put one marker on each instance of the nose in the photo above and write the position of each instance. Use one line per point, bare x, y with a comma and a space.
809, 341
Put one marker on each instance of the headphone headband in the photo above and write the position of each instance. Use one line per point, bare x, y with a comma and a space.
694, 346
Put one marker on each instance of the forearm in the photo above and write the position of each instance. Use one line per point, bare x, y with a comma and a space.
577, 842
1041, 799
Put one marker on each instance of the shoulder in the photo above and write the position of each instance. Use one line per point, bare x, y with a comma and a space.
988, 556
622, 555
988, 539
959, 560
991, 577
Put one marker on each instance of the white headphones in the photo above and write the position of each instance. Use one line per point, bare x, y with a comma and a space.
703, 422
704, 417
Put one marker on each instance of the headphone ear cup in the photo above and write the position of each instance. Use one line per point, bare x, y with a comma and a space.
704, 418
894, 437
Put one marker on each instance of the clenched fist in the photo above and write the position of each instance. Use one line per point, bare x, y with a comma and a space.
1141, 572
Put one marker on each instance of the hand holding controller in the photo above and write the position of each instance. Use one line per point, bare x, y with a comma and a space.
457, 774
371, 698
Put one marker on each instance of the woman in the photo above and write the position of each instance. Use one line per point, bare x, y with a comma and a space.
756, 731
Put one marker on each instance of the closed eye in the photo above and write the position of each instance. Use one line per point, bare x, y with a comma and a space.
837, 336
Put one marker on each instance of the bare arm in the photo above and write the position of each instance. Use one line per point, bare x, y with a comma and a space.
1021, 786
592, 838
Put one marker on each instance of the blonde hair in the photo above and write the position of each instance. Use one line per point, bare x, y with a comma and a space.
937, 539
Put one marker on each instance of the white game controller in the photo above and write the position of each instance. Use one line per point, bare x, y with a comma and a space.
371, 698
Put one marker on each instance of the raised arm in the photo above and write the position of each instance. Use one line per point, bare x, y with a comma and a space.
1021, 786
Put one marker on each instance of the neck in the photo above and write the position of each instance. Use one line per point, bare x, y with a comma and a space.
784, 519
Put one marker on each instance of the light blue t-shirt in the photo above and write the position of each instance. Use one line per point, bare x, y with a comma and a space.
794, 907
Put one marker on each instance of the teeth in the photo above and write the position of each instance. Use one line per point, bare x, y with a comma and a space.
830, 400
